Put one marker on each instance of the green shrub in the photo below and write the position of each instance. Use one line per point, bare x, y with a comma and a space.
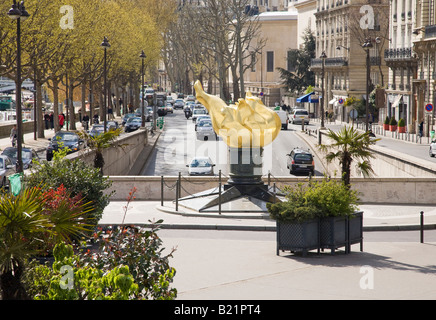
326, 198
393, 122
387, 120
77, 177
401, 123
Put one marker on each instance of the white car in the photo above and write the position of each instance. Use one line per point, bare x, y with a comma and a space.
432, 150
201, 118
300, 115
205, 130
197, 112
200, 166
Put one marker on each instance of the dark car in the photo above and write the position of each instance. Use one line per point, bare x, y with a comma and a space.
127, 116
64, 139
133, 124
300, 161
96, 130
27, 155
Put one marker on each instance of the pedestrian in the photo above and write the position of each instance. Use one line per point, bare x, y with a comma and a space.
130, 108
85, 121
51, 120
13, 136
46, 120
95, 118
421, 128
61, 120
110, 113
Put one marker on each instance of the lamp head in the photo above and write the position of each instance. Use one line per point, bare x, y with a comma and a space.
323, 55
105, 44
142, 55
14, 13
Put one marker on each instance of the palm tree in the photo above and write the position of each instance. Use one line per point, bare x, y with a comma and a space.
349, 144
25, 223
99, 142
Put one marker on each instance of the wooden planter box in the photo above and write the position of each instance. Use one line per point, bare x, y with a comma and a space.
297, 237
333, 233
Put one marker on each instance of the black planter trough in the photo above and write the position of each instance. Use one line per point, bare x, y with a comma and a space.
298, 237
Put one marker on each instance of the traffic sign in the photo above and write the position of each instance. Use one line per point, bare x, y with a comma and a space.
429, 107
261, 94
353, 114
341, 101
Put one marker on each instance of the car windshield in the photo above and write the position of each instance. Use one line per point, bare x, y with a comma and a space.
303, 156
64, 136
97, 128
205, 124
134, 120
12, 153
200, 163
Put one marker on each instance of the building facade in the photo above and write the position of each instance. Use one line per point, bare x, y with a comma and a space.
342, 28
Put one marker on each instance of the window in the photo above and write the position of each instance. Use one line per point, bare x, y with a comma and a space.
270, 61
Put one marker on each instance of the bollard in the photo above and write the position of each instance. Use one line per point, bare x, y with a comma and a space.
219, 193
269, 178
422, 226
161, 190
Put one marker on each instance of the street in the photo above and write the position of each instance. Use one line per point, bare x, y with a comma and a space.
178, 144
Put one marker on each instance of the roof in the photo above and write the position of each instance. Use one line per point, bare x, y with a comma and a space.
278, 15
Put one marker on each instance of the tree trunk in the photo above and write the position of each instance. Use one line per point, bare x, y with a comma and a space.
56, 105
39, 116
72, 114
11, 286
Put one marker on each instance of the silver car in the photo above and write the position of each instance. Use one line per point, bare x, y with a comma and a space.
300, 115
200, 166
6, 169
205, 130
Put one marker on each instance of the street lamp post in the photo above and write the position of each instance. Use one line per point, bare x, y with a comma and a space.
323, 57
18, 13
105, 44
366, 46
142, 56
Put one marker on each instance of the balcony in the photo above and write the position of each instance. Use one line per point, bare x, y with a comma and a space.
430, 31
329, 62
398, 54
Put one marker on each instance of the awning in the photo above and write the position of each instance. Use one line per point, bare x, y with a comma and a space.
304, 98
332, 101
314, 99
397, 101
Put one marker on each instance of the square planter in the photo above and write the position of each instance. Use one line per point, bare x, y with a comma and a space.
333, 233
355, 227
294, 236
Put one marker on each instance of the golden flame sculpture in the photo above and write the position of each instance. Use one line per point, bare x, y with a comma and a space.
246, 124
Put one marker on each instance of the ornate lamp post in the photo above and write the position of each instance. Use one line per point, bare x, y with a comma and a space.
322, 57
142, 56
18, 13
105, 44
367, 45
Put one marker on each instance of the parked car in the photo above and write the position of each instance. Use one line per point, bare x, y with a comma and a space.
27, 155
64, 139
179, 104
197, 112
300, 160
200, 166
6, 169
300, 115
96, 130
205, 130
148, 115
133, 124
126, 117
112, 125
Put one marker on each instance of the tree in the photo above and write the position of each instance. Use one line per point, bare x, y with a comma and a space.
349, 144
300, 77
25, 221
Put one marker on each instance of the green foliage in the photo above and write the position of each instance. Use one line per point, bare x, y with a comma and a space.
401, 123
301, 77
326, 198
77, 177
70, 279
393, 122
387, 120
127, 266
